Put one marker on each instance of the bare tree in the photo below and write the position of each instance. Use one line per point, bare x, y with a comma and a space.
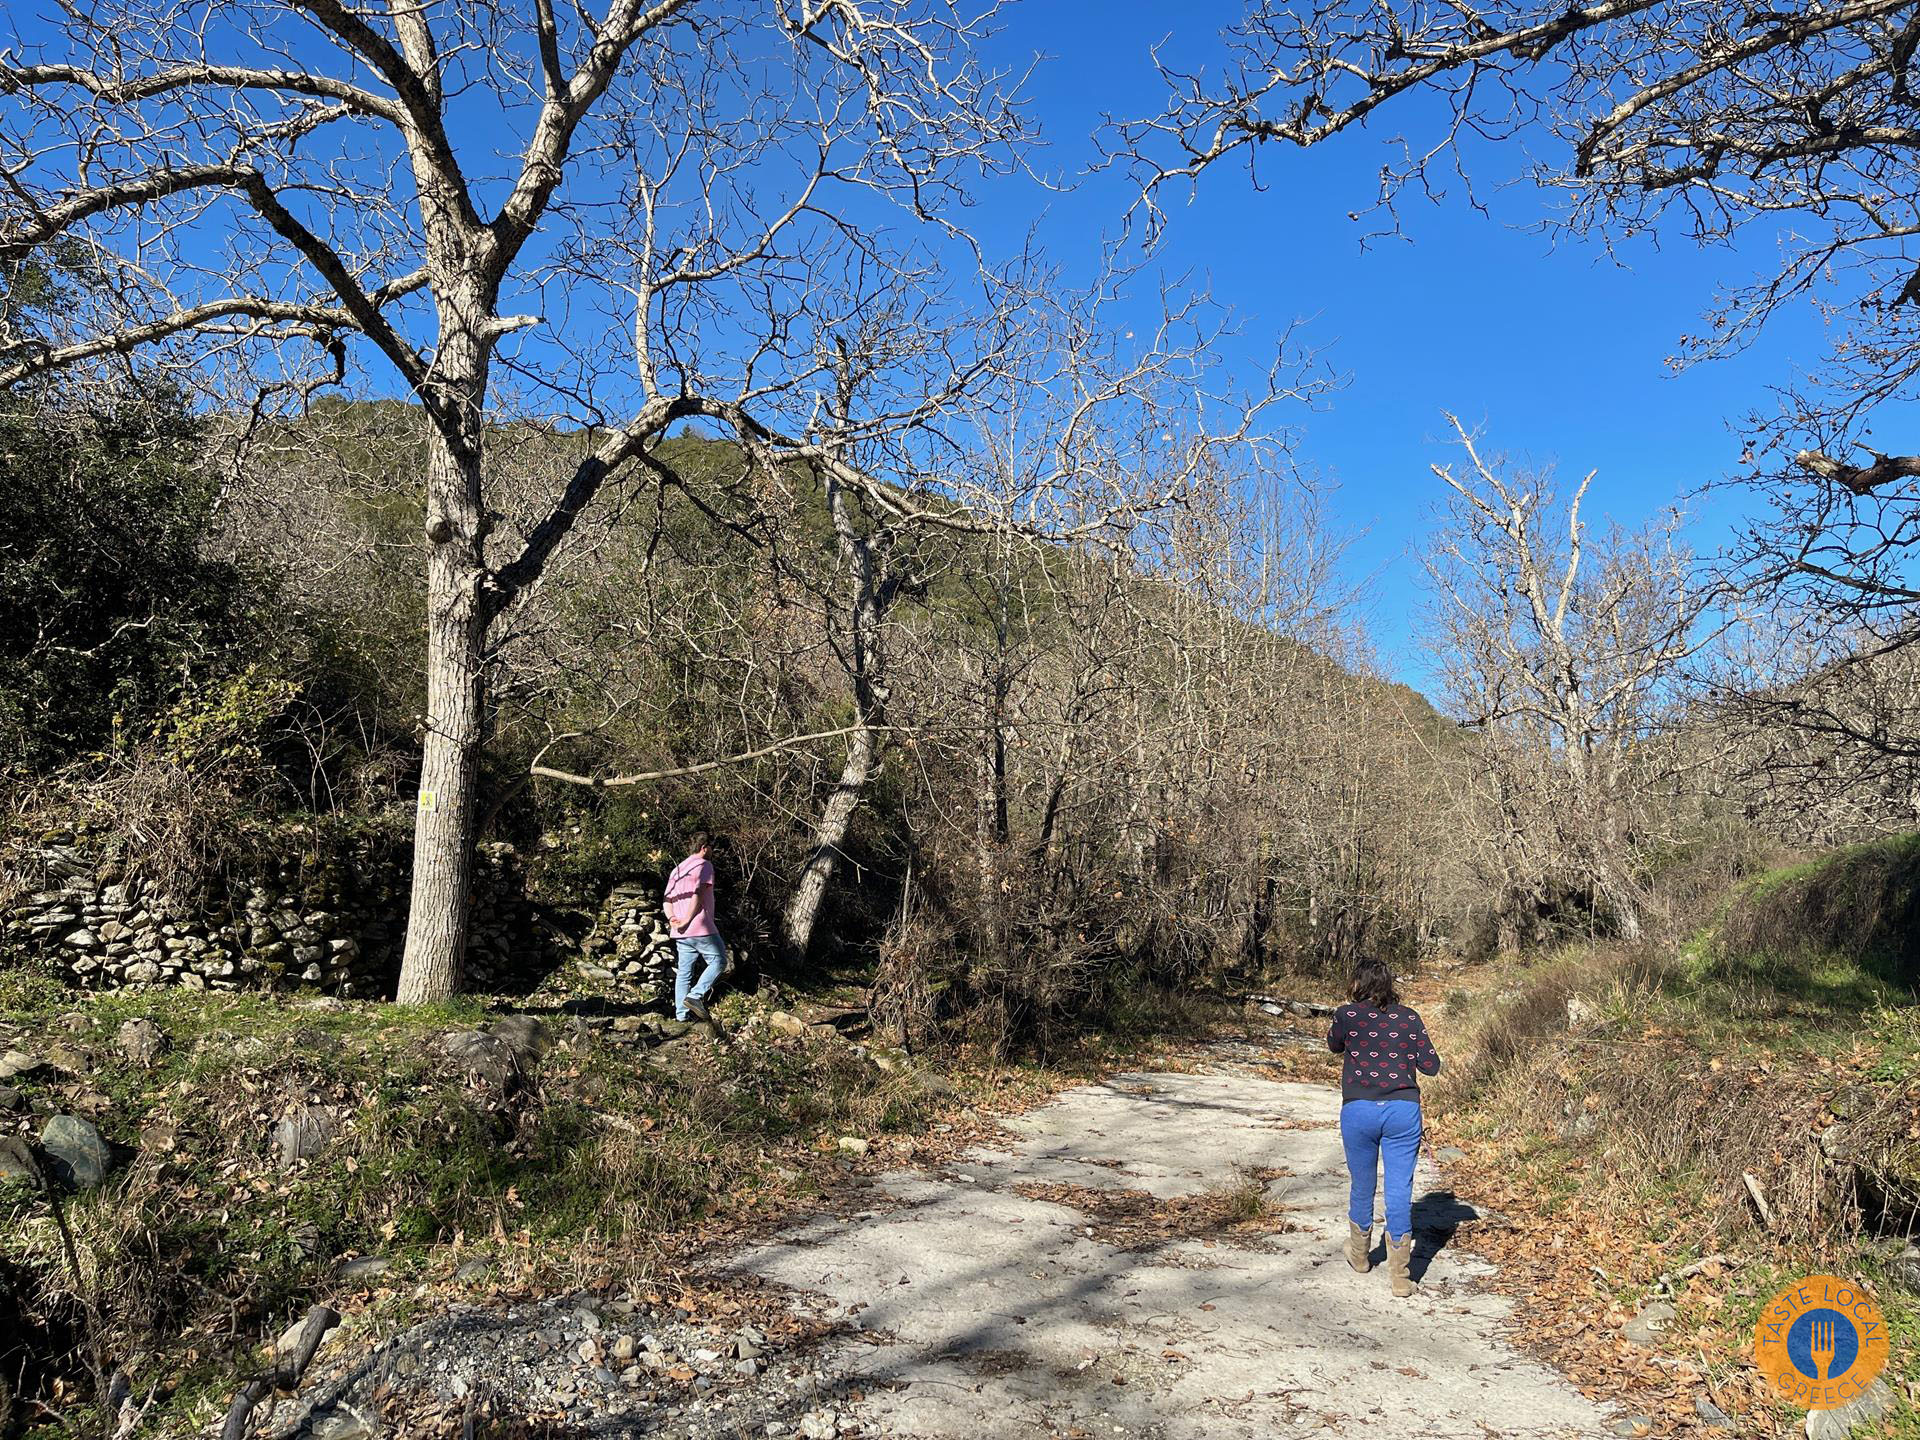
1562, 649
285, 191
1651, 117
1808, 731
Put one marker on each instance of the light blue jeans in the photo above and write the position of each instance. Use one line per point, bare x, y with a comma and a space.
691, 950
1373, 1131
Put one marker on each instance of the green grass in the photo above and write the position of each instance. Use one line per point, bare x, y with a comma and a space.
583, 1172
1839, 930
1797, 1005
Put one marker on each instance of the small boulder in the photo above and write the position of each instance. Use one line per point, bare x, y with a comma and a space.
1838, 1424
142, 1041
20, 1062
1904, 1271
530, 1039
303, 1132
159, 1136
484, 1057
1645, 1328
70, 1059
472, 1272
786, 1024
362, 1268
77, 1153
16, 1161
1712, 1414
852, 1145
342, 1422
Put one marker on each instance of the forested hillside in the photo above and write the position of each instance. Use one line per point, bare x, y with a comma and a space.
1078, 765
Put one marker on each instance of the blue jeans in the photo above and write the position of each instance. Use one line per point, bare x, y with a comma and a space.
1376, 1130
691, 949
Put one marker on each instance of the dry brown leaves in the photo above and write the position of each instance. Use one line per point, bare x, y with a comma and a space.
1562, 1270
1135, 1220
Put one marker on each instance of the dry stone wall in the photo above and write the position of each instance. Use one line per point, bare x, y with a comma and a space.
334, 921
630, 944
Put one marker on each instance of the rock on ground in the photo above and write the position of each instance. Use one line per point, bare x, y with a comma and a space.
142, 1041
1838, 1424
302, 1133
76, 1151
1645, 1327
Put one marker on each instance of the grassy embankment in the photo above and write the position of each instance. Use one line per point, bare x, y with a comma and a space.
606, 1160
1755, 1096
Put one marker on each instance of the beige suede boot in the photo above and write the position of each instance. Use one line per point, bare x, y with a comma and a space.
1399, 1259
1359, 1247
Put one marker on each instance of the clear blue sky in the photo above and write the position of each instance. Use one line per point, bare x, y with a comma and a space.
1559, 349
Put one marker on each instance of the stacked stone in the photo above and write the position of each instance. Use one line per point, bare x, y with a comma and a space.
498, 927
332, 924
630, 945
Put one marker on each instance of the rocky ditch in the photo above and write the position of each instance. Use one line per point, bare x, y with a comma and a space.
583, 1364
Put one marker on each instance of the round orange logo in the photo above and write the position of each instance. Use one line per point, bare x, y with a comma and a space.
1821, 1342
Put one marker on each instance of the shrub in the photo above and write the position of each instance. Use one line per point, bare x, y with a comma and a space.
107, 596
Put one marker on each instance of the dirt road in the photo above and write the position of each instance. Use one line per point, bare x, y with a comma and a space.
1019, 1293
1155, 1256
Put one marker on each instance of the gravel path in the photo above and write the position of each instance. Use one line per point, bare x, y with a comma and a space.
1008, 1314
1110, 1271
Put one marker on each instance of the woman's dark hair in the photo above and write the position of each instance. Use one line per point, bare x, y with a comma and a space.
1373, 983
701, 841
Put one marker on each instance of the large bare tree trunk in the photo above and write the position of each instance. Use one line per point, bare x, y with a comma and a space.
457, 619
443, 821
871, 593
829, 832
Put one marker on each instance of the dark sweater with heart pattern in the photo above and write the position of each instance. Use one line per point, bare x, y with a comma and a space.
1384, 1047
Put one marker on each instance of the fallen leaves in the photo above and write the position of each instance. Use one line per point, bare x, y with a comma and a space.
1135, 1220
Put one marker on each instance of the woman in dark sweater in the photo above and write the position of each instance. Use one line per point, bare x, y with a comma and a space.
1385, 1044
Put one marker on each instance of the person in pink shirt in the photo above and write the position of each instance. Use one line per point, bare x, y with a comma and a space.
696, 937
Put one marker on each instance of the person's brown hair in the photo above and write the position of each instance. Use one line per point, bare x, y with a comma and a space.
1373, 983
701, 841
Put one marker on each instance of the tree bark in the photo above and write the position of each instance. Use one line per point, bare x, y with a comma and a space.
458, 616
871, 589
829, 832
432, 966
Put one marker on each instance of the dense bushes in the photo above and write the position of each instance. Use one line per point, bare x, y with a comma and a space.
109, 601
